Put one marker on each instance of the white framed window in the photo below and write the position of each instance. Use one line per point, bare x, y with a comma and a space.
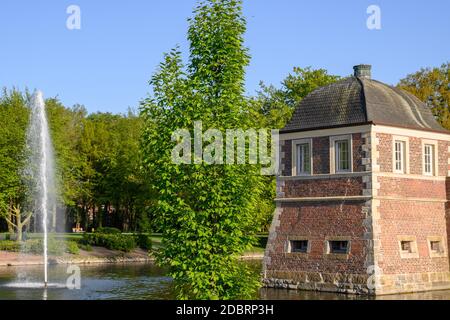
341, 154
429, 156
399, 156
302, 157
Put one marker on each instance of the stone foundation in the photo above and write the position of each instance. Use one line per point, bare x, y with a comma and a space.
317, 281
357, 283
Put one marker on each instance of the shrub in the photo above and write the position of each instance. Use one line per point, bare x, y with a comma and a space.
108, 230
144, 241
8, 245
110, 241
72, 247
33, 246
56, 247
36, 246
86, 247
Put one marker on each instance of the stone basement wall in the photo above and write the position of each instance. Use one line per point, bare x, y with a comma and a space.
410, 206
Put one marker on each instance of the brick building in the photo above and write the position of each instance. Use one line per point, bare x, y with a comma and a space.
362, 198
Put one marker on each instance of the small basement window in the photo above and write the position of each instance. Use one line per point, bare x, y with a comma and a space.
299, 246
340, 247
436, 247
407, 246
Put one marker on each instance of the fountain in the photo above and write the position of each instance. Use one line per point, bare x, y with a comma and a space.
40, 168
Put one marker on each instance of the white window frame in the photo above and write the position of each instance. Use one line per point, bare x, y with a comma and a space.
434, 160
333, 155
405, 155
295, 143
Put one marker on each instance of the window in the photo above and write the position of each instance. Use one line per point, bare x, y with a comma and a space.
303, 164
429, 159
400, 156
299, 246
339, 247
342, 150
436, 247
407, 246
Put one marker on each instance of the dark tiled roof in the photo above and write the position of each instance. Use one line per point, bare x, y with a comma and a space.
353, 100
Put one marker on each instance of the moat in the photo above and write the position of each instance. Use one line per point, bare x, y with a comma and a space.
142, 282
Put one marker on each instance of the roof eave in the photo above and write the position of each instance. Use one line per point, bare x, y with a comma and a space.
326, 127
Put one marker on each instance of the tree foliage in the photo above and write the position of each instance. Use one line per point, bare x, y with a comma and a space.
207, 211
98, 166
432, 86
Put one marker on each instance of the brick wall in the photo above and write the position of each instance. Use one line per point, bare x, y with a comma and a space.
324, 187
384, 148
407, 218
412, 188
317, 221
358, 153
286, 160
321, 155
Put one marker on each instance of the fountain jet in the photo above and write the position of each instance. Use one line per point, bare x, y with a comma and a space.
41, 168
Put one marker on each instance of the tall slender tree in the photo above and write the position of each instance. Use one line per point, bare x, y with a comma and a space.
206, 211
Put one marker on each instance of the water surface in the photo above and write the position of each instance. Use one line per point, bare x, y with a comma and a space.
138, 282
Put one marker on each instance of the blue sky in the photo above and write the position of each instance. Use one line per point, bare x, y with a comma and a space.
107, 64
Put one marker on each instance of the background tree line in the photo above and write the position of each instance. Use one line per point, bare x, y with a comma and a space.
98, 157
98, 167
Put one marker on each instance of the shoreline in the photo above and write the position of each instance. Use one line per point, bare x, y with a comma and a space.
97, 256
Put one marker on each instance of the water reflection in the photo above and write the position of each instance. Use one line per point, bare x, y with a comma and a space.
141, 282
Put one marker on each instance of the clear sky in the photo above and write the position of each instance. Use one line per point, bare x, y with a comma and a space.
107, 64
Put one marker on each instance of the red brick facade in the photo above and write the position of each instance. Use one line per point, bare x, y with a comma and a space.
377, 212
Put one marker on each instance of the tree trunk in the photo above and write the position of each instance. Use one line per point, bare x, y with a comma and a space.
18, 222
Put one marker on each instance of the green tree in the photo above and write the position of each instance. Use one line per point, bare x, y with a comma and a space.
273, 107
14, 118
432, 86
206, 211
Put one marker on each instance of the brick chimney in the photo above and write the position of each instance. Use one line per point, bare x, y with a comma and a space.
363, 71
